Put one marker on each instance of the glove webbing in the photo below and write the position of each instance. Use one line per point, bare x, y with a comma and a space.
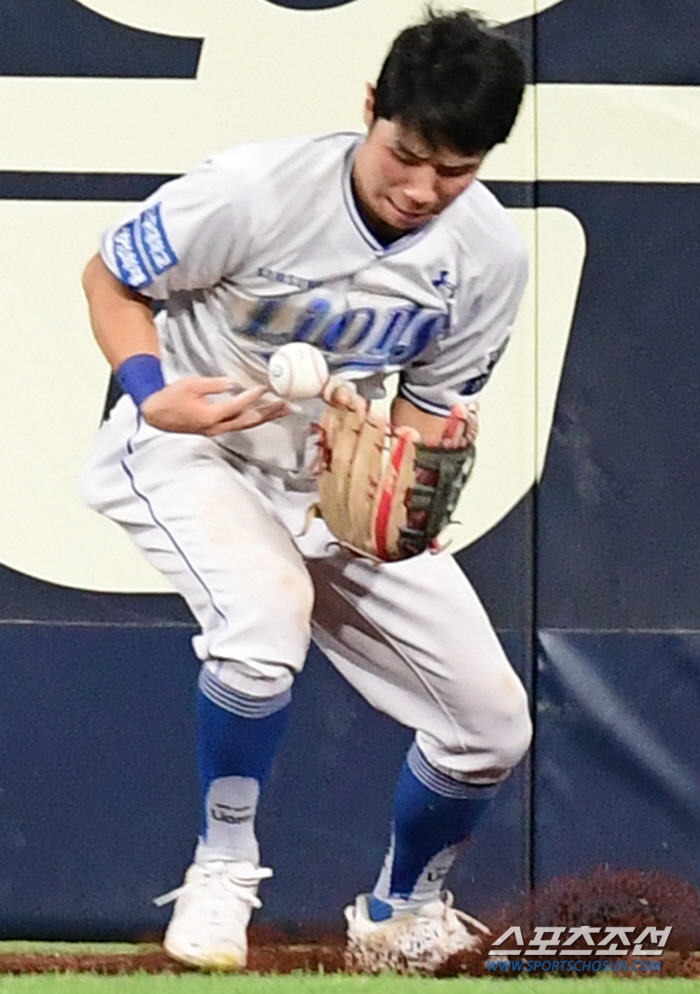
449, 469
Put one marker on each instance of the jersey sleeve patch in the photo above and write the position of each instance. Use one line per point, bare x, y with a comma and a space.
155, 241
142, 250
128, 257
474, 386
477, 383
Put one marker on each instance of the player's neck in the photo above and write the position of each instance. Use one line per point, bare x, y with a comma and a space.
384, 235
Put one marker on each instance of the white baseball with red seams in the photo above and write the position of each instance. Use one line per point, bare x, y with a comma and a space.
297, 371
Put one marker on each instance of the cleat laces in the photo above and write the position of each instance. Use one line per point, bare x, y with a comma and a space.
219, 880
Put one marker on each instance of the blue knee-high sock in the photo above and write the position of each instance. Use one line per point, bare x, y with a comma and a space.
237, 737
434, 816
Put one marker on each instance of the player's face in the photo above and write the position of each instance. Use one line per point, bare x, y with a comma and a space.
402, 182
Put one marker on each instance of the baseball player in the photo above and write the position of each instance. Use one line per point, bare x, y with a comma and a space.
384, 252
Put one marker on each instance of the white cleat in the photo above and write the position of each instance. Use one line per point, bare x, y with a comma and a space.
420, 942
212, 910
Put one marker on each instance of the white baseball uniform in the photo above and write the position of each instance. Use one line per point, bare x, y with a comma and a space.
261, 245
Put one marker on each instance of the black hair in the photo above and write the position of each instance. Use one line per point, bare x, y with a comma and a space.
454, 79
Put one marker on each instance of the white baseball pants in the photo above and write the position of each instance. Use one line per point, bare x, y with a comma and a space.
412, 637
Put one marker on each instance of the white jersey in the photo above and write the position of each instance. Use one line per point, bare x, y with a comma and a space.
263, 244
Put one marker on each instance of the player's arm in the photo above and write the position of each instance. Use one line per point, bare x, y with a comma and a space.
123, 326
455, 430
121, 318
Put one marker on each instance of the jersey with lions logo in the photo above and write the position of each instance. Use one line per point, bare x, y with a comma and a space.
264, 244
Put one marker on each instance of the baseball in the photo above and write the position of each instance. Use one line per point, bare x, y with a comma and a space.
297, 371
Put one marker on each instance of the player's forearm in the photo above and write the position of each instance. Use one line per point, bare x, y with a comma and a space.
122, 321
453, 431
406, 415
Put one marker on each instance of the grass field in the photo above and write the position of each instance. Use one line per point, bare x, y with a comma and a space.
333, 984
297, 982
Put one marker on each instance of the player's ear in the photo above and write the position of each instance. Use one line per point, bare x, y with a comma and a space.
369, 106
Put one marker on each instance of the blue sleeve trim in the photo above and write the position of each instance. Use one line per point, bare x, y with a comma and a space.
421, 404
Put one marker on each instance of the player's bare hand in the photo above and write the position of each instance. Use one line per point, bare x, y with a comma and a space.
461, 427
187, 406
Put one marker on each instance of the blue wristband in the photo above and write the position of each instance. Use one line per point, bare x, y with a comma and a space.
140, 376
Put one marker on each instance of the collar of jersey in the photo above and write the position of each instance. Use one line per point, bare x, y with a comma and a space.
401, 243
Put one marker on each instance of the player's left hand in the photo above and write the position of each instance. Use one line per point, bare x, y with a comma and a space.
383, 491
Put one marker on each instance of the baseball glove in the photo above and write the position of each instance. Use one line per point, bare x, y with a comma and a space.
382, 492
